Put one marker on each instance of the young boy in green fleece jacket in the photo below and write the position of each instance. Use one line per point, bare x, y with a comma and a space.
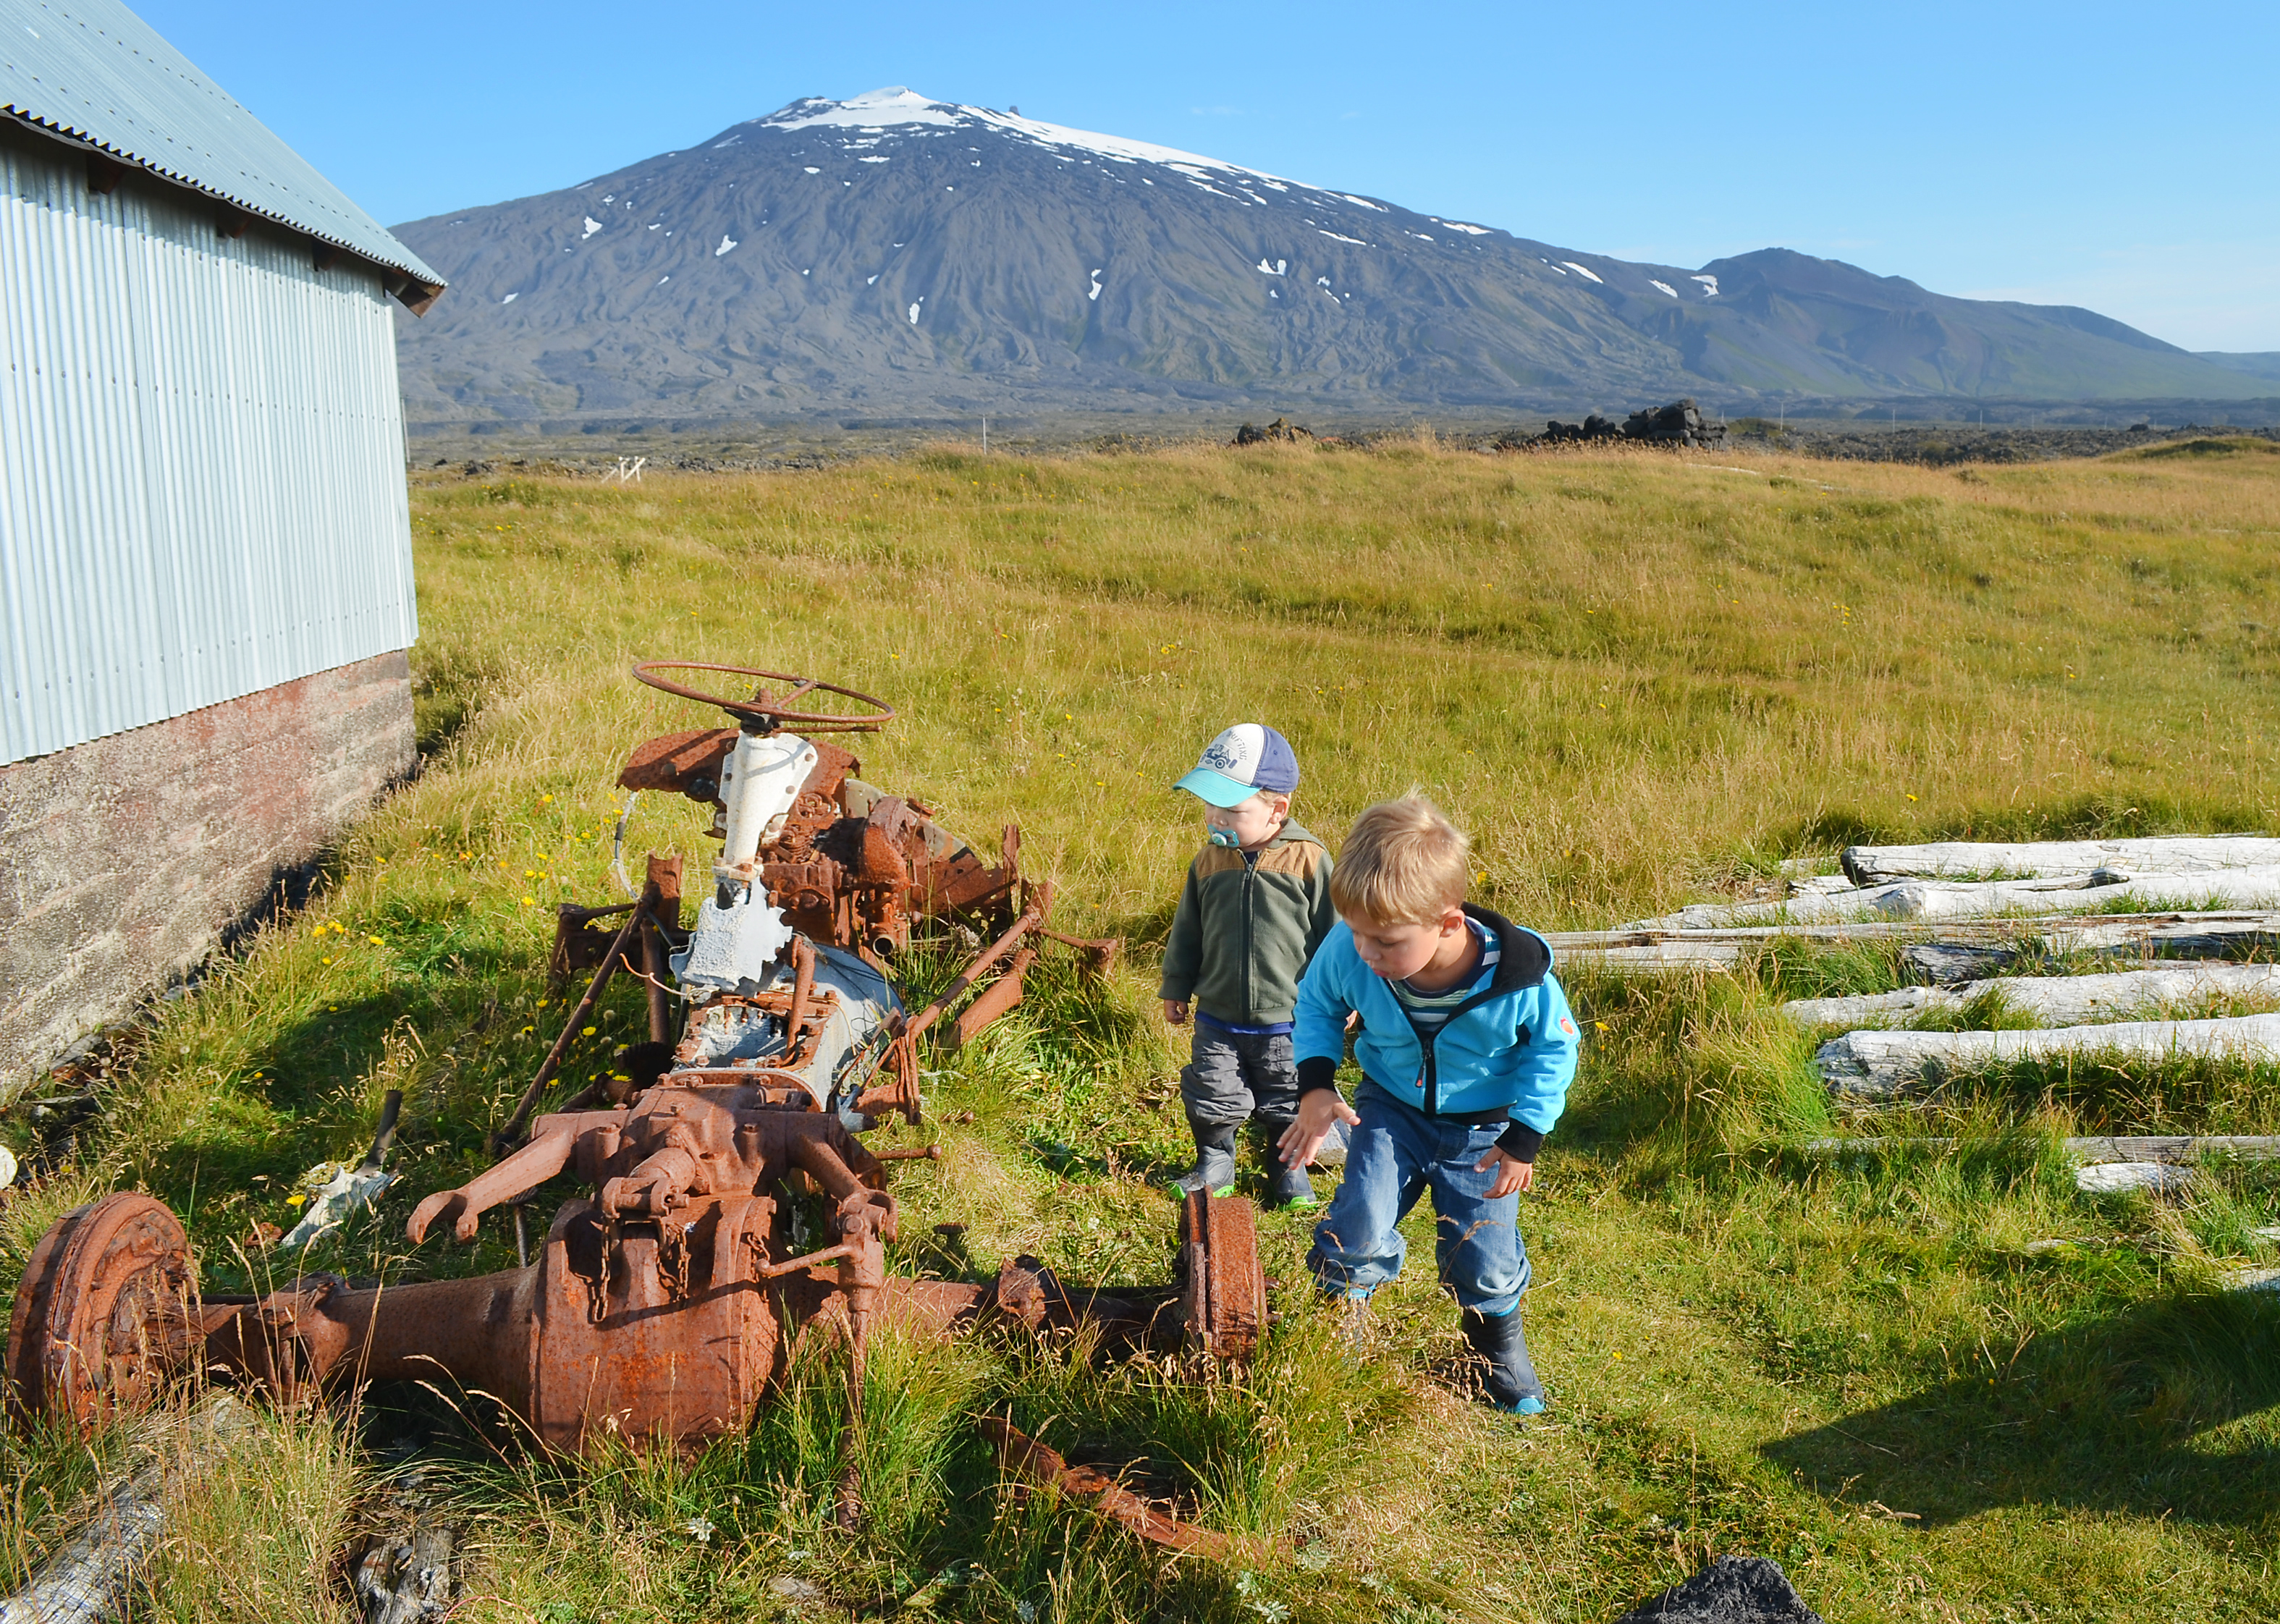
1256, 906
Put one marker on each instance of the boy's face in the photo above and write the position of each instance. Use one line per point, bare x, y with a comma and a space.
1251, 823
1395, 952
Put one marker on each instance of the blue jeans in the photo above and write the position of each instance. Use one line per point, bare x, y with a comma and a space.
1396, 1154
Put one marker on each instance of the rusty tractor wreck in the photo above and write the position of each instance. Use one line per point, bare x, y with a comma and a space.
671, 1300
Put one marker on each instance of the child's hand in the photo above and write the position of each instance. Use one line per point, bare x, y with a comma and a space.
1513, 1174
1175, 1011
1316, 1112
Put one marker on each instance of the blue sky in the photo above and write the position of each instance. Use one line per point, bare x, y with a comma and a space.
2115, 156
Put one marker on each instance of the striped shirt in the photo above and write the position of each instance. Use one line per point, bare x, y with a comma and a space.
1429, 1011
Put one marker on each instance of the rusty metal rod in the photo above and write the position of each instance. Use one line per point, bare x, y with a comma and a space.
792, 1265
803, 984
547, 1068
1031, 918
661, 1003
992, 1001
922, 1152
823, 1163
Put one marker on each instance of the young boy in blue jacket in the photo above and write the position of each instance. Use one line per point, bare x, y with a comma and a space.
1467, 1047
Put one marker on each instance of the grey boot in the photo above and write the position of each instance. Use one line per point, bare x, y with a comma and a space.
1510, 1381
1287, 1184
1215, 1168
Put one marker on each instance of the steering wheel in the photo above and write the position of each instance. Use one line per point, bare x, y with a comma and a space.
772, 710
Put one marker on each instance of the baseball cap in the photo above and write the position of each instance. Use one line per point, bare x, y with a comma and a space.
1246, 759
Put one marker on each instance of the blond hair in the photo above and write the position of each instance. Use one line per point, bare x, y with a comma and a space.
1405, 864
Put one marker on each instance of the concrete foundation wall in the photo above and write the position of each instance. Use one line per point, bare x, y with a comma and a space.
124, 861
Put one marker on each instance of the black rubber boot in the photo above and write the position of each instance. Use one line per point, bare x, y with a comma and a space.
1509, 1382
1287, 1184
1215, 1168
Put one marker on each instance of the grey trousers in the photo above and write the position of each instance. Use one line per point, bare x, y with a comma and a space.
1233, 1076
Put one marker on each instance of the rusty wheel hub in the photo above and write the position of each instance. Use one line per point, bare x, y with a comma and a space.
1223, 1288
102, 1314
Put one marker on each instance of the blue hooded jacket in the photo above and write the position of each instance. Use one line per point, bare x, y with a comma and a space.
1509, 1051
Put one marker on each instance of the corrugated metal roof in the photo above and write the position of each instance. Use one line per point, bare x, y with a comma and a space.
93, 70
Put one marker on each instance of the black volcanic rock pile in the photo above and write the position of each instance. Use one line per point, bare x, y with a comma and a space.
1731, 1590
1281, 428
1679, 423
1592, 428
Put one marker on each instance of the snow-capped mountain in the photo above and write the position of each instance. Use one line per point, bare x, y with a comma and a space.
893, 254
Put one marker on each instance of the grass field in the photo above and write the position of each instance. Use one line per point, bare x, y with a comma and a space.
1637, 681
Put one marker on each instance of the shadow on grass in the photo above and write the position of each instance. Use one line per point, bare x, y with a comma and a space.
2110, 1416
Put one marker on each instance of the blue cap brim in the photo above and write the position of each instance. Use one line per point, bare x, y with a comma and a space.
1216, 787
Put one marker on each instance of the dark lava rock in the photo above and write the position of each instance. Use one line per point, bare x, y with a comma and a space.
1679, 423
1731, 1590
1592, 428
1280, 429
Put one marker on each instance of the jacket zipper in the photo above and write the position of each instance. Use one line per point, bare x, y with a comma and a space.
1250, 868
1431, 1075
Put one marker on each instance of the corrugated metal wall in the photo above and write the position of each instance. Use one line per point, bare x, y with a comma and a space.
202, 489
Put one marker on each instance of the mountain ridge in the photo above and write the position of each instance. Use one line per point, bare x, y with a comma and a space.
890, 253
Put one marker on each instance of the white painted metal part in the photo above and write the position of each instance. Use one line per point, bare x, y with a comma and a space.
733, 949
759, 782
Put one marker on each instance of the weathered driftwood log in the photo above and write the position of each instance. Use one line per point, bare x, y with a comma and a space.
2138, 936
2047, 858
2180, 1149
1907, 900
2105, 1165
1878, 1065
1944, 963
2055, 1000
90, 1577
1987, 946
2131, 1178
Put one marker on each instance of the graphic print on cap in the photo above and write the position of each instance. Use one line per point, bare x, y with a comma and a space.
1221, 754
1242, 761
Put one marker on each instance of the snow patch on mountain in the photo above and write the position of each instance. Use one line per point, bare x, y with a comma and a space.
875, 111
1582, 270
1666, 287
1709, 286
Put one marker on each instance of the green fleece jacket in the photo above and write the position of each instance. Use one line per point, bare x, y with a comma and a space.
1248, 921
